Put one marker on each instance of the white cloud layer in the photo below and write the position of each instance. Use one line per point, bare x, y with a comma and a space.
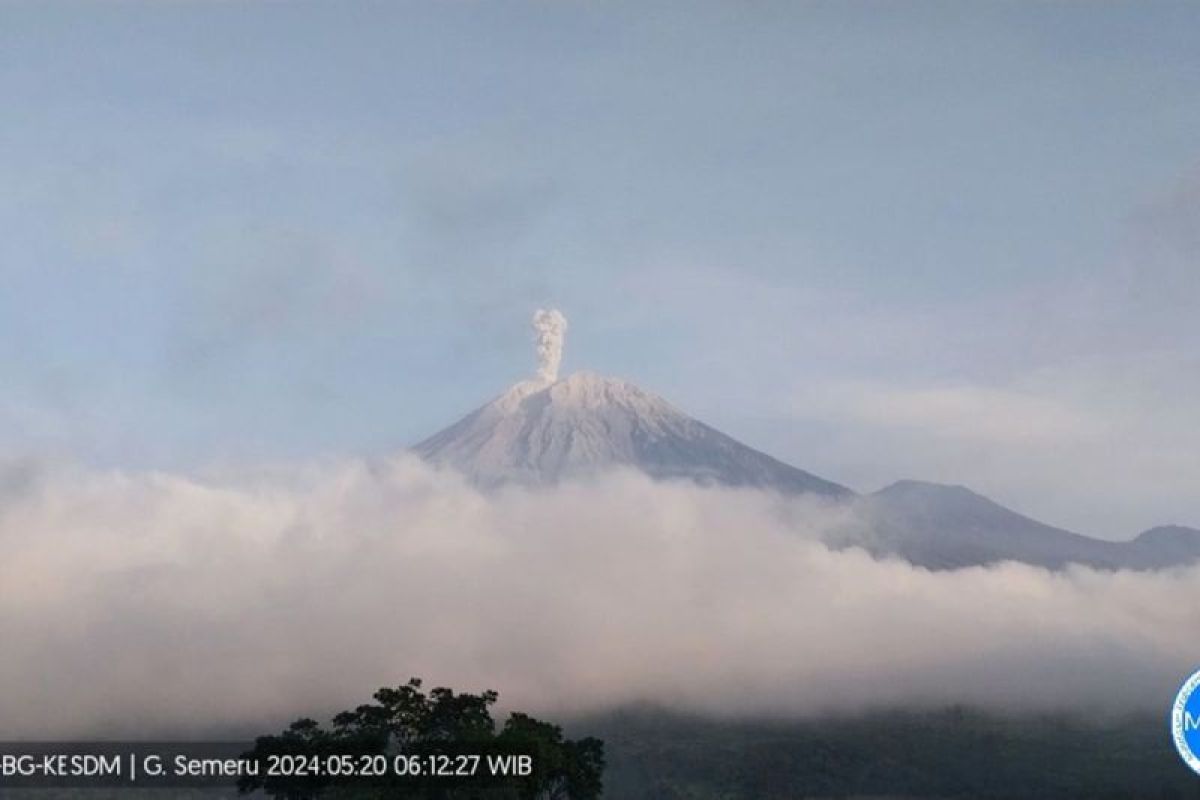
980, 414
1106, 447
134, 603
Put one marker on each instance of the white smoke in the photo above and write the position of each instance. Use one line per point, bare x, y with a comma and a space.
143, 603
550, 328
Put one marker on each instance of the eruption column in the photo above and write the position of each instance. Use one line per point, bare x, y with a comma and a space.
549, 328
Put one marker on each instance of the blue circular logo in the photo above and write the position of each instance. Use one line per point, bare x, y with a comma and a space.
1185, 722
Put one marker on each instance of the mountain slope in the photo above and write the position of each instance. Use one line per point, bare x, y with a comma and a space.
1166, 546
947, 527
543, 432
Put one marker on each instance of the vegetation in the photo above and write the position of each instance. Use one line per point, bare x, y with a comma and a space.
654, 754
428, 746
953, 753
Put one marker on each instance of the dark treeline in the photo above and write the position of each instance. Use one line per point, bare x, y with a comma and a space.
658, 755
652, 754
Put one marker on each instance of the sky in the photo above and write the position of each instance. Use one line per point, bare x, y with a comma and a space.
943, 241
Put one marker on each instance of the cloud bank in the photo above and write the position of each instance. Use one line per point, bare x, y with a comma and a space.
135, 603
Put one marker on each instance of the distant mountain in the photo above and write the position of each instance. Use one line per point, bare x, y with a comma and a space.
1167, 545
947, 527
545, 432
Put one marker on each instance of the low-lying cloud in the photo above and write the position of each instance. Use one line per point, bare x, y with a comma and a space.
136, 603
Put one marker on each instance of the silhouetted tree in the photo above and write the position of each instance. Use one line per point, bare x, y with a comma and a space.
448, 740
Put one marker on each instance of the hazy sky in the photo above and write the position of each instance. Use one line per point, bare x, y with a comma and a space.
953, 241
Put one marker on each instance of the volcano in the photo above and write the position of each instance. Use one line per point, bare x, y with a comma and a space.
544, 432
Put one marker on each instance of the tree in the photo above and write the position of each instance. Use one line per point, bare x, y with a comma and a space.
438, 745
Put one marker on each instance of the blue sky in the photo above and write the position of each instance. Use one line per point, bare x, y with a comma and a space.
936, 240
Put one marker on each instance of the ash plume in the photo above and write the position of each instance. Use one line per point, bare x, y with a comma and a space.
550, 328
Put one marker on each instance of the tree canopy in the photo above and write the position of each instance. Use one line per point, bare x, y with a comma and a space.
438, 745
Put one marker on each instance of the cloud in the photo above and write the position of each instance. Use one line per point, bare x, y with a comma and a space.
1102, 446
136, 603
958, 411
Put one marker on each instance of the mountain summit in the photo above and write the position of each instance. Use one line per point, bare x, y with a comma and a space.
948, 527
547, 430
541, 432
